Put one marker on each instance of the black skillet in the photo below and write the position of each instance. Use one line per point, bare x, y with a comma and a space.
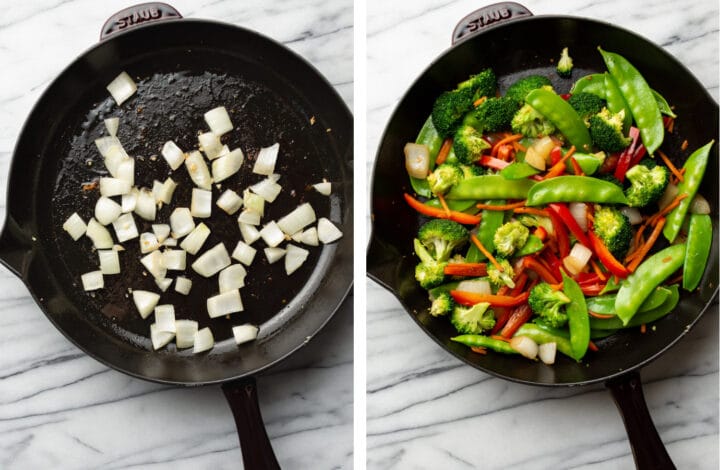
526, 45
183, 68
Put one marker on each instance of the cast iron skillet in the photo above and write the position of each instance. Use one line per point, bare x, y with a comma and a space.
505, 47
183, 68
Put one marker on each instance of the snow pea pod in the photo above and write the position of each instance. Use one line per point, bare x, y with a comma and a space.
699, 241
429, 137
663, 105
605, 304
482, 188
588, 162
616, 102
562, 115
593, 83
481, 341
459, 205
694, 170
575, 189
532, 245
642, 317
518, 170
640, 284
542, 334
578, 318
490, 222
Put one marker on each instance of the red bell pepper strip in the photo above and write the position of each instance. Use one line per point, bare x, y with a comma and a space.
626, 157
561, 234
459, 217
534, 265
471, 298
553, 262
555, 156
518, 318
639, 154
562, 211
492, 162
576, 167
466, 269
592, 290
606, 258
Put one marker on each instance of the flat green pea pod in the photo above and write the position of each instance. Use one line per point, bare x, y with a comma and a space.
429, 137
578, 318
663, 105
644, 317
490, 222
699, 242
593, 83
518, 170
611, 286
483, 188
588, 162
456, 205
545, 334
605, 304
562, 115
575, 189
532, 245
481, 341
639, 98
694, 170
616, 102
640, 284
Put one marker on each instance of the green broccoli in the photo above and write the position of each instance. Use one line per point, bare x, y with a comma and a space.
472, 170
548, 304
530, 123
444, 177
606, 131
565, 64
482, 84
520, 89
449, 109
494, 114
586, 104
429, 272
441, 237
472, 320
532, 220
648, 182
614, 229
501, 278
469, 144
442, 304
510, 237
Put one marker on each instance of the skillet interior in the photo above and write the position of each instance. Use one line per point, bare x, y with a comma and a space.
508, 51
191, 67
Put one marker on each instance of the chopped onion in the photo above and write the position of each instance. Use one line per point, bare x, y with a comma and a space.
525, 346
174, 260
75, 226
297, 236
163, 283
224, 151
115, 156
161, 231
266, 159
294, 258
323, 188
417, 160
231, 278
670, 192
170, 242
145, 301
230, 202
126, 171
273, 254
249, 233
224, 304
114, 187
201, 203
195, 239
254, 202
327, 231
267, 189
699, 205
249, 217
272, 235
148, 242
157, 187
296, 220
310, 237
165, 193
183, 285
173, 155
212, 261
122, 88
106, 210
112, 124
145, 206
165, 318
92, 280
153, 262
227, 165
537, 154
218, 120
181, 222
125, 228
475, 286
99, 235
275, 177
244, 253
104, 144
210, 144
159, 338
579, 212
198, 170
204, 341
185, 333
577, 259
633, 214
547, 351
244, 333
129, 200
109, 261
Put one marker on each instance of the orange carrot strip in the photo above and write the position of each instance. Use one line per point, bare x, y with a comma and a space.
506, 140
645, 249
504, 207
599, 315
684, 145
643, 328
472, 298
559, 168
444, 151
531, 210
598, 271
485, 251
466, 269
478, 349
479, 101
459, 217
675, 202
534, 265
500, 338
670, 166
444, 205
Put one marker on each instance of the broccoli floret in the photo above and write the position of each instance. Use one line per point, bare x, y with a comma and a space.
610, 178
614, 229
548, 304
494, 114
429, 272
648, 182
532, 220
441, 237
501, 278
586, 104
510, 237
469, 144
444, 177
565, 64
606, 131
472, 170
530, 123
482, 84
472, 320
442, 305
449, 109
520, 89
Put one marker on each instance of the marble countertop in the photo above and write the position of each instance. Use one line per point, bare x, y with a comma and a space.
425, 409
61, 409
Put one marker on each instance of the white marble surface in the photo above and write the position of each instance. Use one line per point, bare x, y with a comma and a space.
61, 409
425, 409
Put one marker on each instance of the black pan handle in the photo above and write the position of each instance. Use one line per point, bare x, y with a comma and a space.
486, 17
242, 397
647, 447
15, 247
137, 15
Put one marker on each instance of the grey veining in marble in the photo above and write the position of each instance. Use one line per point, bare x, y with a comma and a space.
61, 409
425, 409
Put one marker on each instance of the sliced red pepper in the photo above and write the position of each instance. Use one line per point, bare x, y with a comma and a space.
639, 154
555, 155
534, 265
492, 162
553, 262
502, 315
518, 318
562, 211
623, 164
466, 269
566, 96
606, 258
592, 290
587, 278
541, 233
561, 234
459, 217
472, 298
576, 167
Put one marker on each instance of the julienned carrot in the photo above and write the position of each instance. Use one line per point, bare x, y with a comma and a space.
472, 298
531, 210
459, 217
443, 203
602, 316
506, 140
466, 269
597, 270
643, 328
559, 168
645, 249
670, 165
485, 251
666, 210
492, 162
479, 101
499, 338
478, 349
504, 207
534, 265
444, 151
541, 233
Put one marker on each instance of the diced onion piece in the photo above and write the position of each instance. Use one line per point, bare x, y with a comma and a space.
212, 261
114, 187
181, 222
185, 333
159, 338
145, 206
75, 226
539, 152
153, 262
275, 177
245, 333
183, 285
129, 200
227, 165
173, 155
93, 280
249, 233
229, 201
274, 254
112, 124
297, 236
525, 346
163, 283
294, 258
174, 260
577, 259
327, 231
475, 286
107, 211
272, 235
145, 301
161, 231
231, 278
249, 217
224, 151
104, 144
267, 189
170, 242
254, 202
671, 190
579, 212
195, 239
224, 304
633, 214
125, 228
547, 351
298, 219
99, 235
310, 237
109, 261
116, 155
126, 171
266, 159
323, 188
165, 318
210, 144
244, 253
157, 187
148, 242
218, 120
699, 205
198, 170
122, 88
165, 193
204, 341
417, 160
201, 203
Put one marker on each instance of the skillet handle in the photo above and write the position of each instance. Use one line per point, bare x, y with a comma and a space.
486, 17
648, 449
15, 247
137, 15
242, 397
